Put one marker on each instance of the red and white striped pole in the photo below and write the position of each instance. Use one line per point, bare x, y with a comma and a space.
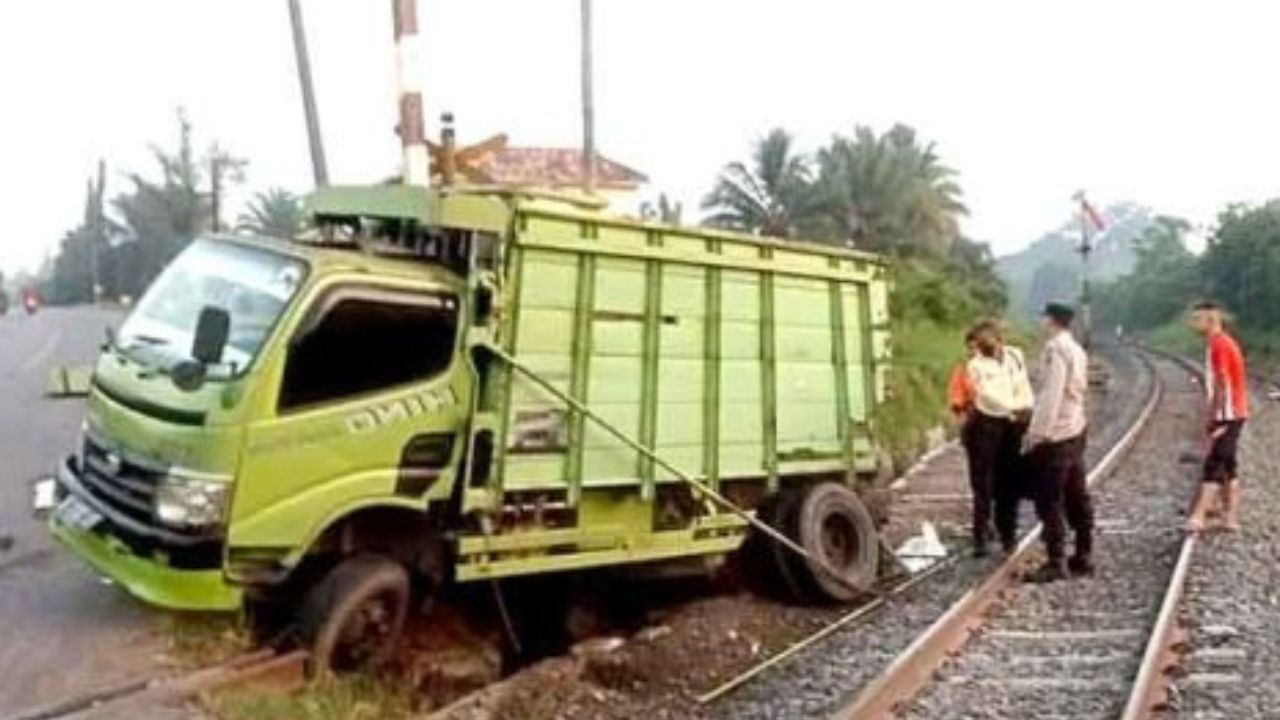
413, 136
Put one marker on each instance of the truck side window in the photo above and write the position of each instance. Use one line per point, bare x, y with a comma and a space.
363, 345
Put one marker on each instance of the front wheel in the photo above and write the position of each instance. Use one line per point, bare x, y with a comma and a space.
830, 522
353, 618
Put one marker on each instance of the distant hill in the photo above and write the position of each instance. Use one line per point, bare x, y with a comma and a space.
1049, 268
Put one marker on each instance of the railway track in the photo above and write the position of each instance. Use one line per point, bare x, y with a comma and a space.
814, 679
282, 671
1220, 659
1090, 648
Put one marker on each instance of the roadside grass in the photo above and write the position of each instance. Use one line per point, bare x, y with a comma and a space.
924, 354
355, 697
1261, 347
198, 640
1176, 337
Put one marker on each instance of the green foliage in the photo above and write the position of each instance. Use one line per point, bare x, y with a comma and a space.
933, 304
274, 213
155, 218
952, 294
1164, 282
163, 215
773, 196
889, 193
1240, 269
355, 697
1174, 336
924, 354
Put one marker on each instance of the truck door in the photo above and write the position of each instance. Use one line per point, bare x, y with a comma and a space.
369, 408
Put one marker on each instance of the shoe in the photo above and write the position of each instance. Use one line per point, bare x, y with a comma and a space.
1195, 526
1051, 571
1080, 566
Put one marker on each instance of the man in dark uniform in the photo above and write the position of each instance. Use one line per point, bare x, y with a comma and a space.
1054, 446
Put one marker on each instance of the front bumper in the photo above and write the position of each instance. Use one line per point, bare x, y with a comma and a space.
146, 578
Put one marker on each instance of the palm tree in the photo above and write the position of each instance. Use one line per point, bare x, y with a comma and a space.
163, 215
275, 213
889, 193
774, 196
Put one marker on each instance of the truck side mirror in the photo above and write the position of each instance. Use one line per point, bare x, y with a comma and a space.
213, 328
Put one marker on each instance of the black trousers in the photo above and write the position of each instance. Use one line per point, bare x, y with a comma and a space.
1012, 481
1220, 462
991, 444
1062, 496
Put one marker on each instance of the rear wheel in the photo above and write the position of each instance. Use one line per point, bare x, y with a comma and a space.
838, 531
830, 522
353, 618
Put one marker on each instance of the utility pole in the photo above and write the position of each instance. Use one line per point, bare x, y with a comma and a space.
588, 103
215, 194
223, 166
97, 229
1085, 249
413, 135
319, 167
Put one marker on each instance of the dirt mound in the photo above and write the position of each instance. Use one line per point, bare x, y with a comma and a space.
657, 673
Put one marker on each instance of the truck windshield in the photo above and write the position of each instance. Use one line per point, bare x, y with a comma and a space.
253, 285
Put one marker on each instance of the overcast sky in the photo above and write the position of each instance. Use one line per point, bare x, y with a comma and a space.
1172, 104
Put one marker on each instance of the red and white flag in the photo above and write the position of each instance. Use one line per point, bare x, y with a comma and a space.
1092, 217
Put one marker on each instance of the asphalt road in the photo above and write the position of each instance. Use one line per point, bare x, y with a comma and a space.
62, 630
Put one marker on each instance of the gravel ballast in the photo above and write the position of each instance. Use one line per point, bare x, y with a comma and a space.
1071, 649
659, 674
1231, 611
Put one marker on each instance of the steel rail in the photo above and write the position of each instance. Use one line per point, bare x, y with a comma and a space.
257, 667
1147, 684
915, 666
860, 613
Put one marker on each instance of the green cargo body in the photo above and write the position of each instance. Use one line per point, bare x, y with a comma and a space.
740, 361
748, 364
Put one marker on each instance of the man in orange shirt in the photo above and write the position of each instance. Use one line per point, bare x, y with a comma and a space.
1227, 387
960, 386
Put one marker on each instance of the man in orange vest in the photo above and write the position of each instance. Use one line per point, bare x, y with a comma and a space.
1000, 400
960, 387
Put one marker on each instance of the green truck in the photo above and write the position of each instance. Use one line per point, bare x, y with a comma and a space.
461, 385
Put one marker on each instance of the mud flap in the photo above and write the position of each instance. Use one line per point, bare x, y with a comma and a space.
68, 382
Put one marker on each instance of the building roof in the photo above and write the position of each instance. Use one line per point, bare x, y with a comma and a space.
548, 167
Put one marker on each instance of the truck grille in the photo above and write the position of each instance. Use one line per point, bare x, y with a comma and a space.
123, 485
124, 491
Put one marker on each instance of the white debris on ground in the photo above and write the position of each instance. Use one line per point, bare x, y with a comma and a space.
921, 551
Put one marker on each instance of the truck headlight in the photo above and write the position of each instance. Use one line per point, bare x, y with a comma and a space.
187, 499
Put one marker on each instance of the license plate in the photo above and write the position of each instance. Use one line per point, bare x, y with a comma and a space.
44, 495
75, 513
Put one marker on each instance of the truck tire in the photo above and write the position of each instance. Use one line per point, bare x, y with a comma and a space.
353, 618
832, 524
761, 558
788, 568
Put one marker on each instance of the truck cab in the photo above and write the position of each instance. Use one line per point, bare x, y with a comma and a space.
332, 421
